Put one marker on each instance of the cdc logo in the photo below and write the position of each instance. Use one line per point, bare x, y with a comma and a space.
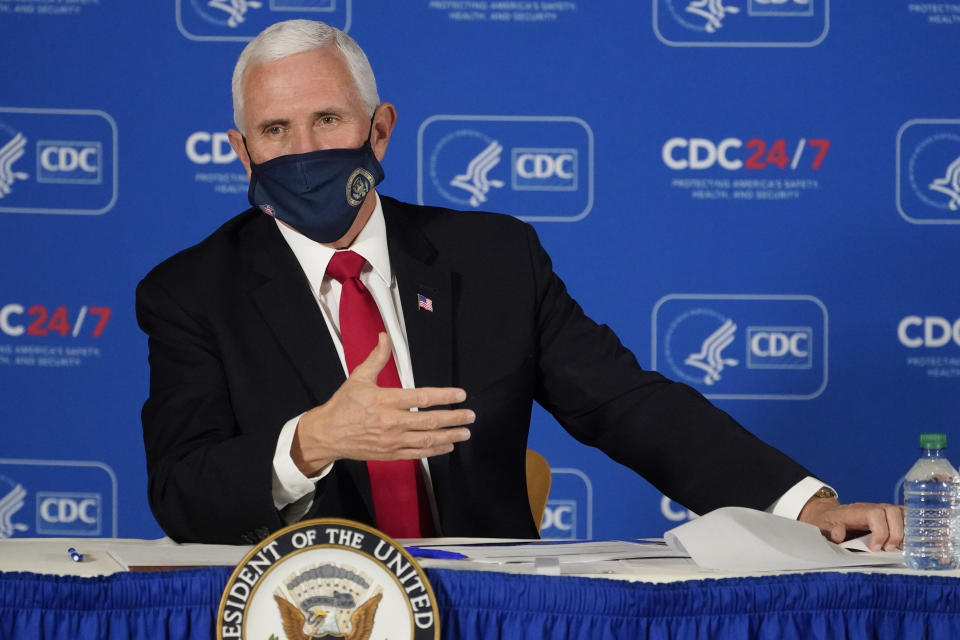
733, 154
569, 511
674, 512
204, 147
241, 20
544, 169
69, 513
928, 171
779, 347
63, 498
741, 23
931, 332
743, 346
561, 516
537, 168
69, 162
57, 161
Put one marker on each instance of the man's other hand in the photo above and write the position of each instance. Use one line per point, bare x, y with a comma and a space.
839, 522
362, 421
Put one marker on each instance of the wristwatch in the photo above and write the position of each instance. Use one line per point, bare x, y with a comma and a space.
825, 492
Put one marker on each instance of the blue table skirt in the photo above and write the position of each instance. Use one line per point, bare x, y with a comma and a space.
183, 604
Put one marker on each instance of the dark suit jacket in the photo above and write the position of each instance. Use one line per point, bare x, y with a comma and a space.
238, 346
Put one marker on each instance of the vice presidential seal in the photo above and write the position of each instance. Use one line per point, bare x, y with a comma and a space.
358, 184
326, 579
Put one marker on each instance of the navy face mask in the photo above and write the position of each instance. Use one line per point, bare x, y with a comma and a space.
318, 193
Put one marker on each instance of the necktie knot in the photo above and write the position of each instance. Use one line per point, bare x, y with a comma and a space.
345, 265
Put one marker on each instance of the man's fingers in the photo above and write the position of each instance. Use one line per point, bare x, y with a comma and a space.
879, 530
884, 521
423, 444
420, 398
430, 440
895, 525
838, 533
369, 369
432, 420
414, 454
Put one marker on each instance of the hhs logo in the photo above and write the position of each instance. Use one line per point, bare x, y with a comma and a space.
12, 496
57, 161
741, 23
569, 512
537, 168
41, 498
743, 346
928, 171
241, 20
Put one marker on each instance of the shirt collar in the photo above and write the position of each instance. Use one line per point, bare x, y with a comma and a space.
371, 243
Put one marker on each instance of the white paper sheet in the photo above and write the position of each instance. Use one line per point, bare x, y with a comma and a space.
740, 539
573, 552
167, 553
606, 567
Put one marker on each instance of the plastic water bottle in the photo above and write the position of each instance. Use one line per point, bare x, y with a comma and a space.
930, 499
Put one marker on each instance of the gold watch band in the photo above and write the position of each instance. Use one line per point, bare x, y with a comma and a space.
825, 492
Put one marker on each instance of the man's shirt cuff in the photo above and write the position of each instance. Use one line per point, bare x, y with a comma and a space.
289, 483
792, 502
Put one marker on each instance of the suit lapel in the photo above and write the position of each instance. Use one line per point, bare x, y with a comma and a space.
429, 333
416, 266
281, 292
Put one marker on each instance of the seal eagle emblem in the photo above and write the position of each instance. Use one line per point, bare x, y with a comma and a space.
328, 579
327, 601
358, 185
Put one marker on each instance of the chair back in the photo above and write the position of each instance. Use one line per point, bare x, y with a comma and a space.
538, 484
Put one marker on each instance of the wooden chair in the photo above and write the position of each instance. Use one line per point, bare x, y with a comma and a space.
538, 484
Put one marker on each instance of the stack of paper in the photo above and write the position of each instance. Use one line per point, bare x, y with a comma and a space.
740, 539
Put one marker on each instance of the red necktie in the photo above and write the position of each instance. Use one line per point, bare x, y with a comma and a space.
399, 494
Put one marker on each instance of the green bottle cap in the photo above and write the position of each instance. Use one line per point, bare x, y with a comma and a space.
933, 441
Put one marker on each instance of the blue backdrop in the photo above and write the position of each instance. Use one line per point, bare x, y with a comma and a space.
761, 197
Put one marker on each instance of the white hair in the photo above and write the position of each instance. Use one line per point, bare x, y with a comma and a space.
296, 36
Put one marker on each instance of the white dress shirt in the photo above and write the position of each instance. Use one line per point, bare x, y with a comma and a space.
292, 490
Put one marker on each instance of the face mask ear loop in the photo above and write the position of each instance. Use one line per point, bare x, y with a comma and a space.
369, 131
245, 148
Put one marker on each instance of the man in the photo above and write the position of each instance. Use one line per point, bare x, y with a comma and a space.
276, 393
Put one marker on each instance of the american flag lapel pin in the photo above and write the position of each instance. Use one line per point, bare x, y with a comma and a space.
425, 303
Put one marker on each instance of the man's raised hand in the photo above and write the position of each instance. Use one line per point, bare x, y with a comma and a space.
362, 421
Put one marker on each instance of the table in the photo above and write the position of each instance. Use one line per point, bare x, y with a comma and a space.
684, 602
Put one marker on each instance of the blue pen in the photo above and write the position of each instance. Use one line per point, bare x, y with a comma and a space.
75, 555
438, 554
